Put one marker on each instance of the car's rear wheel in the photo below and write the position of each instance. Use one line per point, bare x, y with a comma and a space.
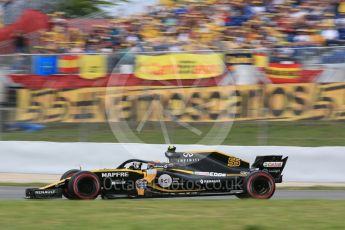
68, 174
84, 185
260, 185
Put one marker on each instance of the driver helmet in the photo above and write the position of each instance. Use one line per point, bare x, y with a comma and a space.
171, 148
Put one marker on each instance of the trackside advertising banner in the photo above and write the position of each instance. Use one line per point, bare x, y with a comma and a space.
179, 66
203, 104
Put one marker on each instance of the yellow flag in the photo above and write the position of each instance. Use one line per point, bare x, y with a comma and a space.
93, 66
261, 60
341, 8
167, 3
1, 21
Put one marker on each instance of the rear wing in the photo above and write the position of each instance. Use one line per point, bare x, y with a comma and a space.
274, 165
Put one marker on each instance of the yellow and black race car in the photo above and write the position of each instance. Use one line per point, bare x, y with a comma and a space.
193, 173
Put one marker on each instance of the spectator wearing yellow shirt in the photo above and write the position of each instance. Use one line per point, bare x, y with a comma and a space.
341, 8
316, 37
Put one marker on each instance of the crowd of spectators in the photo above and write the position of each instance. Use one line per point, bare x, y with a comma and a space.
210, 24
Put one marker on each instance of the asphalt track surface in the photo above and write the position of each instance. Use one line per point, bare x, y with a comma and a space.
17, 193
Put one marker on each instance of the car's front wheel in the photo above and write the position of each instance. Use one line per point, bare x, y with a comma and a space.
66, 175
84, 185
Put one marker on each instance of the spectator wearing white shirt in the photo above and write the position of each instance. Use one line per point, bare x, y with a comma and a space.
302, 37
330, 34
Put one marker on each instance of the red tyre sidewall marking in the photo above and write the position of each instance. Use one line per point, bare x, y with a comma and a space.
75, 188
255, 195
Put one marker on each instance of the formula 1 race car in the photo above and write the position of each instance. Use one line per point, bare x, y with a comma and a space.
193, 173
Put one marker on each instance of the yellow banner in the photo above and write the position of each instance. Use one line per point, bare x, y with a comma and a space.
179, 66
286, 102
93, 66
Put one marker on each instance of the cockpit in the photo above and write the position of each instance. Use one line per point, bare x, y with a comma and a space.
135, 164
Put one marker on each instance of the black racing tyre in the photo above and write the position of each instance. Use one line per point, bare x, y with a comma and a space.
84, 185
260, 185
68, 174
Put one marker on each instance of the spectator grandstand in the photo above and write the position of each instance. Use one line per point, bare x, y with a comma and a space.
216, 24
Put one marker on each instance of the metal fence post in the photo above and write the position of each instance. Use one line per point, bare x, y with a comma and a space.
262, 138
1, 122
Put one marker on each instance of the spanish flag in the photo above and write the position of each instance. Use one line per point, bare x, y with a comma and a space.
284, 73
68, 64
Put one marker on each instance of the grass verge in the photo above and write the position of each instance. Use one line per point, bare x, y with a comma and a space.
316, 133
173, 214
15, 184
316, 187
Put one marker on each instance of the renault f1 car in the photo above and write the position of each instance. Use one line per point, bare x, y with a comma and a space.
195, 173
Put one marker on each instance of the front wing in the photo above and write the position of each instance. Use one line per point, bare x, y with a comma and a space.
36, 193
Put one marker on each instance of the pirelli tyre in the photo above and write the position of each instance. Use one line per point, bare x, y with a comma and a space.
259, 185
84, 185
68, 174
